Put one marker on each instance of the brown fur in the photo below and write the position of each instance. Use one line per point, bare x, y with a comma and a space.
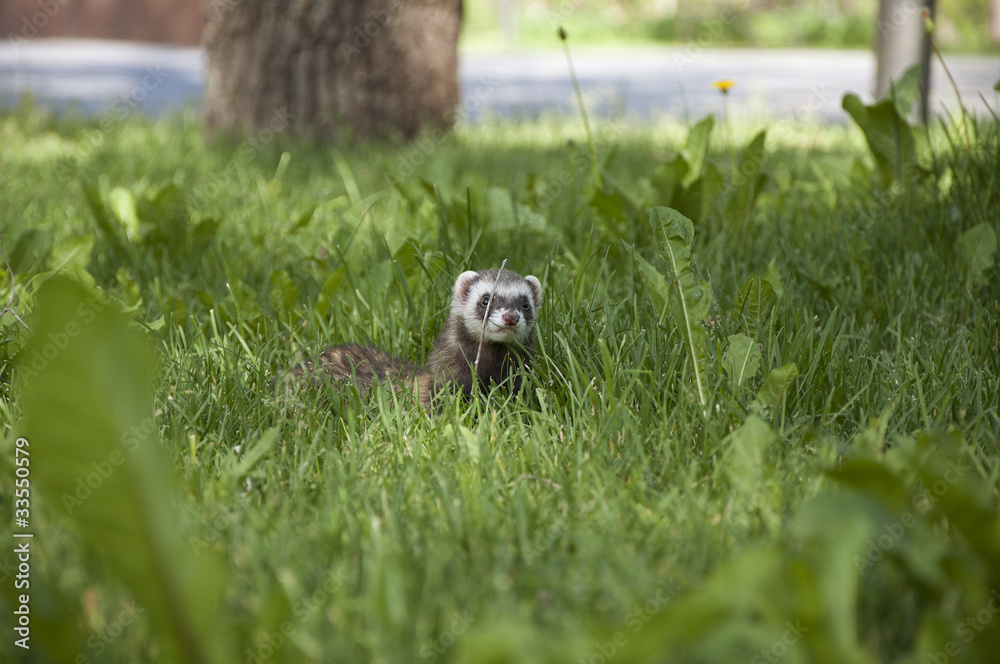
454, 353
450, 362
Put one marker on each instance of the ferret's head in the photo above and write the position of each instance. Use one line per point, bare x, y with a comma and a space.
512, 310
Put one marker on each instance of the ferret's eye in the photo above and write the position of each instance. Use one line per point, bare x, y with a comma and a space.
485, 301
525, 304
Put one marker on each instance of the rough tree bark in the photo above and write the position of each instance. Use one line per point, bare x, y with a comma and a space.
373, 66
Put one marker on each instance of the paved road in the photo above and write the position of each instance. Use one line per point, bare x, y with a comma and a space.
96, 76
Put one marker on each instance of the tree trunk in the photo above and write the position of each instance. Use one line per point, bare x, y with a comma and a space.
993, 22
900, 43
370, 66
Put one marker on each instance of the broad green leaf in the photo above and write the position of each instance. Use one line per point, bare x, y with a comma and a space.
747, 447
122, 204
749, 181
609, 204
330, 292
952, 484
696, 200
776, 385
905, 89
836, 530
613, 199
712, 621
690, 299
667, 180
873, 477
203, 234
696, 147
741, 359
752, 306
30, 251
889, 137
902, 532
331, 285
977, 247
164, 217
88, 414
773, 277
104, 223
659, 287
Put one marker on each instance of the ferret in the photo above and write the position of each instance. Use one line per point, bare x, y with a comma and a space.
508, 342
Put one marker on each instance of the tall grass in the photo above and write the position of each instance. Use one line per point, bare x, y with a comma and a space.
606, 499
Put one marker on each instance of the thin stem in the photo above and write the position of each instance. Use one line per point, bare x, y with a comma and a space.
929, 28
486, 316
583, 112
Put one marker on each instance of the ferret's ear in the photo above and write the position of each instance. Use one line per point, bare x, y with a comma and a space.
536, 289
463, 284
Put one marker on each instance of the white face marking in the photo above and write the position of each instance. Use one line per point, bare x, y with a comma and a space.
508, 300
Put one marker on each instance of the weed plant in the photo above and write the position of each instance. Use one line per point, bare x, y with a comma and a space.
762, 422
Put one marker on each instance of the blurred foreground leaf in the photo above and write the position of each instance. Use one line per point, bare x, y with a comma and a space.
977, 248
88, 416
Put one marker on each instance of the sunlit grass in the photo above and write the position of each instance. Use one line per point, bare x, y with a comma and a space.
557, 510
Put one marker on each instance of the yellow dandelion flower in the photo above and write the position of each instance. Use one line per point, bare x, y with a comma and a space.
724, 86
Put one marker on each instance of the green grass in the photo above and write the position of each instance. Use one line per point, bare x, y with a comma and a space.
605, 501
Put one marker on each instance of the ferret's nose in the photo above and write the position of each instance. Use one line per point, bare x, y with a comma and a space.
511, 318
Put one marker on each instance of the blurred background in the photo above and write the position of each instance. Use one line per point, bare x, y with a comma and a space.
638, 58
963, 25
